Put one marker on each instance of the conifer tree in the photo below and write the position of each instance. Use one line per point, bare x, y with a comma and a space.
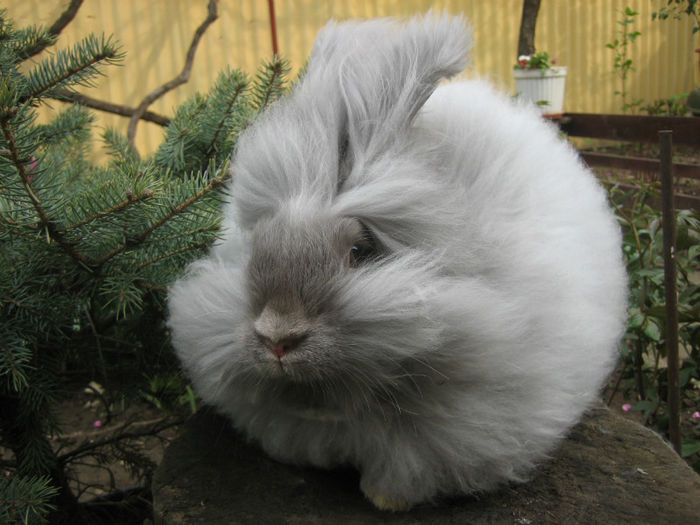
87, 251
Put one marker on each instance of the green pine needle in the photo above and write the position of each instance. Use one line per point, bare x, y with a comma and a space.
77, 66
270, 82
25, 499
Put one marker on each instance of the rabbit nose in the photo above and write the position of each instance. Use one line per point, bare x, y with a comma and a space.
281, 331
282, 346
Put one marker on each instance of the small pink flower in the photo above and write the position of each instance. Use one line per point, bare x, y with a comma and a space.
31, 167
522, 63
626, 407
696, 415
97, 423
8, 473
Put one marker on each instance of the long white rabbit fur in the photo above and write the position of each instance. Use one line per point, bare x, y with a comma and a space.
458, 353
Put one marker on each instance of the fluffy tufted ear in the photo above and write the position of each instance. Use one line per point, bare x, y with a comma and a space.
380, 72
387, 70
364, 83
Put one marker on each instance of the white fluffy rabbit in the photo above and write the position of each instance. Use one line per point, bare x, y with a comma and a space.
423, 282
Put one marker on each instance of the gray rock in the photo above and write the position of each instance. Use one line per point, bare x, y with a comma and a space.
609, 470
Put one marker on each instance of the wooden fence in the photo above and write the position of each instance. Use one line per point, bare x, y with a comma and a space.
627, 128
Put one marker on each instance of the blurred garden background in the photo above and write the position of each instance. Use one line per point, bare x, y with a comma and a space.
155, 35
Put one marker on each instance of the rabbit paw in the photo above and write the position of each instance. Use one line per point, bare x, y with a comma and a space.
389, 503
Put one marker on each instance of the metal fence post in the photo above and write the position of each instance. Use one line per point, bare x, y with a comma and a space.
669, 234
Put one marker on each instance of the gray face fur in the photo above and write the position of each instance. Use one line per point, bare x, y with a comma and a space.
293, 263
292, 275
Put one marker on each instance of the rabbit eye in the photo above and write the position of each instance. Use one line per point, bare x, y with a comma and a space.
361, 253
357, 255
364, 249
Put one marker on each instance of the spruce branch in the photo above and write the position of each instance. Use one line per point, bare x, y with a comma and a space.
25, 500
98, 345
150, 286
130, 199
270, 82
108, 107
75, 66
30, 38
14, 364
190, 247
240, 88
180, 79
72, 123
59, 25
214, 183
50, 227
191, 233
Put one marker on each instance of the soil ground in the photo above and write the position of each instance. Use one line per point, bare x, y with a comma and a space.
111, 492
83, 422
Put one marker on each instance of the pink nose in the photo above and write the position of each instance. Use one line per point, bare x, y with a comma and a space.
282, 346
278, 349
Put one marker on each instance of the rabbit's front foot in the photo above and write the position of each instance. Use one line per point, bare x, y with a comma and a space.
384, 492
388, 503
396, 477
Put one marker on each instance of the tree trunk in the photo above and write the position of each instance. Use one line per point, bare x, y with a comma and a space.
526, 39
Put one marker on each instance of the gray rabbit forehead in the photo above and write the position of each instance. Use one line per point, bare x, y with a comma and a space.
290, 229
295, 262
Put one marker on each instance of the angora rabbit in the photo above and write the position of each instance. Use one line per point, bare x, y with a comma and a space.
423, 282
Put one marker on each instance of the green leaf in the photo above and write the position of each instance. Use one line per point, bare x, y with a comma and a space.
636, 318
644, 405
656, 274
651, 330
684, 376
688, 448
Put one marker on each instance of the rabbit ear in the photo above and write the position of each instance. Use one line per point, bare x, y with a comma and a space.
364, 83
386, 71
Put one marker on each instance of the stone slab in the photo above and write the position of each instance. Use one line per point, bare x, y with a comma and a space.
609, 470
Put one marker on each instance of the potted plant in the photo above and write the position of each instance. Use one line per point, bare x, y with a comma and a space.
540, 81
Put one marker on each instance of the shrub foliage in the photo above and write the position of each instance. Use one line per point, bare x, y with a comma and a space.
87, 250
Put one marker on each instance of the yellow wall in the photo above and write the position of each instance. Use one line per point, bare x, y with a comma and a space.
156, 34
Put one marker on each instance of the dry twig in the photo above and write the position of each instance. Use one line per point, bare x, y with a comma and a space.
127, 431
109, 107
59, 25
180, 79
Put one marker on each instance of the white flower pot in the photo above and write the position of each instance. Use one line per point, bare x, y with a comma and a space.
545, 89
